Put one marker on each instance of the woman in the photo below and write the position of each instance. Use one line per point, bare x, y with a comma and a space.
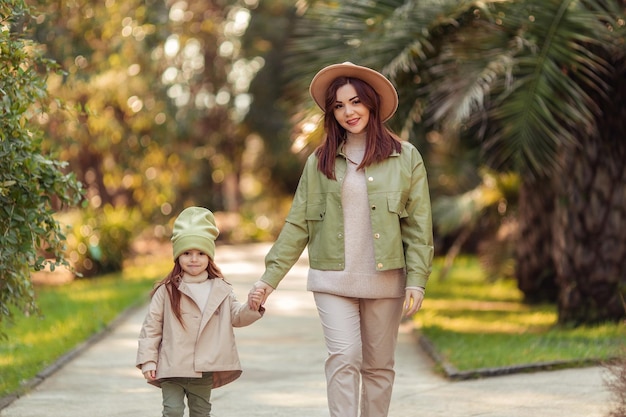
362, 206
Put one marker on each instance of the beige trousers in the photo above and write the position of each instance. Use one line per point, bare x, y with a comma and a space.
361, 336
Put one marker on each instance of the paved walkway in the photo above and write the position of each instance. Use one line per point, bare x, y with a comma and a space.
283, 357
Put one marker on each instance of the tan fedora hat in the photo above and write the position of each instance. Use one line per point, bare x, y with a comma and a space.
384, 88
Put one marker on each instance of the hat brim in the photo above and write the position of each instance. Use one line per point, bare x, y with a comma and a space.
384, 88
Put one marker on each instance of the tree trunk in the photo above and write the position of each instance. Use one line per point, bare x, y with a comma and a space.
590, 220
534, 267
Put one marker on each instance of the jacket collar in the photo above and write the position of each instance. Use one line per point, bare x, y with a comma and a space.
341, 152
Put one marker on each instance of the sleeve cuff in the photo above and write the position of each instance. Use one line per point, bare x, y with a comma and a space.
148, 366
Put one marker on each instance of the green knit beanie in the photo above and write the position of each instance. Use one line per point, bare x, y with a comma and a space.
194, 228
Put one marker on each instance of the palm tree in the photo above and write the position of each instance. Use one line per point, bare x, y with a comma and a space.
538, 87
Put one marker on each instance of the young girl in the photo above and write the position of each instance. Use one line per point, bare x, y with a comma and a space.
362, 208
187, 344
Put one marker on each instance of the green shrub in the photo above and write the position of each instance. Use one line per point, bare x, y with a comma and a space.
33, 185
99, 240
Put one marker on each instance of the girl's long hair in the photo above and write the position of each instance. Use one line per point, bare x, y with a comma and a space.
173, 280
380, 141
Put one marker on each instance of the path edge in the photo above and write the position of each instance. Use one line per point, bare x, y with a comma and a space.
64, 359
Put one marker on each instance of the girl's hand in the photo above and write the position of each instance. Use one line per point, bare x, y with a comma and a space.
150, 375
267, 290
255, 297
413, 301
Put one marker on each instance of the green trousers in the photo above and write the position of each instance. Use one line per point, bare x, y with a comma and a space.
197, 391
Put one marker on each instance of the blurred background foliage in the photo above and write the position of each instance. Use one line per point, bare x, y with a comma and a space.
148, 112
160, 104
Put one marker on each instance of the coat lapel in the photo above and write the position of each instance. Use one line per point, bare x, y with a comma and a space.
218, 294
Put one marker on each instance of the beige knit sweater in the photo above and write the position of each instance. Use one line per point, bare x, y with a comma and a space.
360, 278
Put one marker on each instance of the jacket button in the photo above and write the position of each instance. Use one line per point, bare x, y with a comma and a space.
379, 265
377, 236
374, 207
370, 179
340, 235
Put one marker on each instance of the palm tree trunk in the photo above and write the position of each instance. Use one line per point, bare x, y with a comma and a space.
590, 219
534, 267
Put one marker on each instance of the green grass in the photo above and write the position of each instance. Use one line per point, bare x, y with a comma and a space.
70, 314
476, 324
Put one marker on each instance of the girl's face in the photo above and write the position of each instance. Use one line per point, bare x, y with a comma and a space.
349, 111
193, 262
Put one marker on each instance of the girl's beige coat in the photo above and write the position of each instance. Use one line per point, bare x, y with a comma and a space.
207, 341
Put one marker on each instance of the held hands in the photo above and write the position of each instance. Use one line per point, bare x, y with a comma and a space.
255, 298
265, 291
413, 301
150, 375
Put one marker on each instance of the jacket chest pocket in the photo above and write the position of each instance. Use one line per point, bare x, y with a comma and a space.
396, 203
315, 210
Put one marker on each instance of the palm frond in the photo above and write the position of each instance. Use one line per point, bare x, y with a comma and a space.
555, 73
528, 73
471, 66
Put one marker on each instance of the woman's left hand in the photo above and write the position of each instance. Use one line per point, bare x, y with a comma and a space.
413, 301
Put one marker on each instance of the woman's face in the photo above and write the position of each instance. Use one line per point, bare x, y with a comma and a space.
349, 111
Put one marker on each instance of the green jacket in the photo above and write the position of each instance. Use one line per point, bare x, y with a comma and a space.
400, 214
